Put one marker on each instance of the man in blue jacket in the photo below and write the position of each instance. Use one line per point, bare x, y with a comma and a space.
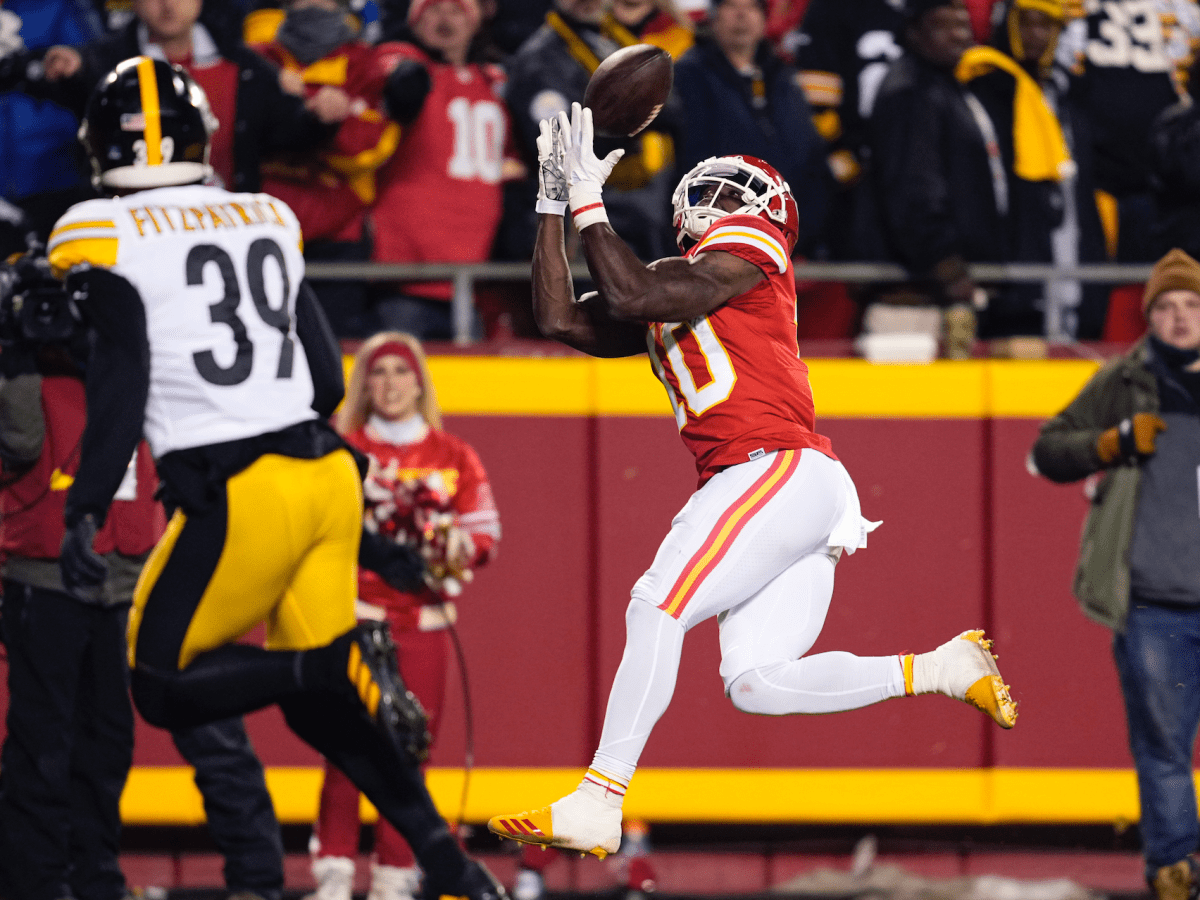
41, 168
739, 97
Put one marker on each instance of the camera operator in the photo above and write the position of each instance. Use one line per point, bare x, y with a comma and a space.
70, 724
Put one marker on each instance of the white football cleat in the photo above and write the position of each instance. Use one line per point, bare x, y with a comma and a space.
963, 668
394, 882
576, 822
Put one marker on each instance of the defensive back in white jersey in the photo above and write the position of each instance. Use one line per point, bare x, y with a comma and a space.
218, 274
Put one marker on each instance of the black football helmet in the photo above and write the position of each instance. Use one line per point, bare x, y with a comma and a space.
148, 124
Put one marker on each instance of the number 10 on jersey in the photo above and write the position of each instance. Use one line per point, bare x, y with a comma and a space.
701, 373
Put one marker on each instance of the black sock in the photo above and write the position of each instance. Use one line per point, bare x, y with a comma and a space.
392, 782
324, 668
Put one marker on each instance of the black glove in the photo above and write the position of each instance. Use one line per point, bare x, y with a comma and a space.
83, 569
405, 90
400, 565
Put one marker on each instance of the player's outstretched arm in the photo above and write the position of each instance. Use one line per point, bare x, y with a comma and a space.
669, 290
558, 315
582, 326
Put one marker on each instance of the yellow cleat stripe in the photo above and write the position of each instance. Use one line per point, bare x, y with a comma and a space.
373, 695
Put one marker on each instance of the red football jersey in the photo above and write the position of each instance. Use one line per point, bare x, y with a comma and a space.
440, 194
441, 465
734, 377
331, 189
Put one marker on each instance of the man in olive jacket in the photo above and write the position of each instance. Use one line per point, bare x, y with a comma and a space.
1138, 422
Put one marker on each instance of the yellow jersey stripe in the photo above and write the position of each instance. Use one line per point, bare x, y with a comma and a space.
763, 242
68, 254
72, 226
83, 235
152, 125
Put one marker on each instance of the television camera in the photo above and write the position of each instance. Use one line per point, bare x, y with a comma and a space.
35, 308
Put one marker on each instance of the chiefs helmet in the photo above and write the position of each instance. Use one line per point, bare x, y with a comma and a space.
147, 124
761, 190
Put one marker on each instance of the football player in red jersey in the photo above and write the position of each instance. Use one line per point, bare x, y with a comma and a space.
758, 541
427, 489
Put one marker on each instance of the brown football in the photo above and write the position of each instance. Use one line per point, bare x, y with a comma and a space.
628, 89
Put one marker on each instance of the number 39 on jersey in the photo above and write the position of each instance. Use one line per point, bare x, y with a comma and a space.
217, 274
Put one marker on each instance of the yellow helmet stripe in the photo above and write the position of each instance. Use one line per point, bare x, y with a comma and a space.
148, 84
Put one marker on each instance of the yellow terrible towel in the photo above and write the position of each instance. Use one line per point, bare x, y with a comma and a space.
1040, 151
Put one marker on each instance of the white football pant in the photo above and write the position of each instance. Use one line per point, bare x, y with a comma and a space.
756, 546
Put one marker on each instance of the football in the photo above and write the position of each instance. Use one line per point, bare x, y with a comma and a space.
628, 89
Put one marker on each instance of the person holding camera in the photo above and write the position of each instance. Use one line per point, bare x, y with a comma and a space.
70, 724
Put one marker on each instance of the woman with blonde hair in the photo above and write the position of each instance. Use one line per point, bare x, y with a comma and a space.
425, 488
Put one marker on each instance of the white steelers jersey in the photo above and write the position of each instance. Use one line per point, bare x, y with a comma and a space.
218, 274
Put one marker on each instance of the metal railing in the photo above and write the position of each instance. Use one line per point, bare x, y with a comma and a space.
464, 276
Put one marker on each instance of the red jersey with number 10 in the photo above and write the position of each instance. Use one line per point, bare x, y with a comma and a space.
734, 377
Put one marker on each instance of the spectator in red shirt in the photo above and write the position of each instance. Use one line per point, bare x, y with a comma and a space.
322, 59
440, 195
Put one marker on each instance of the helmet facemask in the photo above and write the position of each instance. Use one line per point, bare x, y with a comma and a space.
695, 198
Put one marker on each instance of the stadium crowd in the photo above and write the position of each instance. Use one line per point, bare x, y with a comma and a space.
932, 134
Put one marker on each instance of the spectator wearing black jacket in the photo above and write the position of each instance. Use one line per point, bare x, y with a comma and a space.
69, 744
739, 97
1053, 217
940, 194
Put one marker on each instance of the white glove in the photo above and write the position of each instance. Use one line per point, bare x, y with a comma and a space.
585, 173
552, 181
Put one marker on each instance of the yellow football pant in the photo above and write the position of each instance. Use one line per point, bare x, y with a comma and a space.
282, 549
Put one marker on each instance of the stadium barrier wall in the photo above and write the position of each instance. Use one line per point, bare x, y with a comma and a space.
588, 470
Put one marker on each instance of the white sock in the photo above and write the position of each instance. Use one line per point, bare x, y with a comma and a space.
929, 675
641, 690
608, 790
834, 681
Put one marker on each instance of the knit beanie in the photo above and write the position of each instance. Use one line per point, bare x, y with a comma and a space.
914, 9
470, 7
1174, 272
1053, 8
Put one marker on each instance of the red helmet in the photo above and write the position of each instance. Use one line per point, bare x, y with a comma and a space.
761, 189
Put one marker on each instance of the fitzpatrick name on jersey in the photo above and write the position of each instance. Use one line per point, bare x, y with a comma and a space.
734, 377
207, 218
217, 274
